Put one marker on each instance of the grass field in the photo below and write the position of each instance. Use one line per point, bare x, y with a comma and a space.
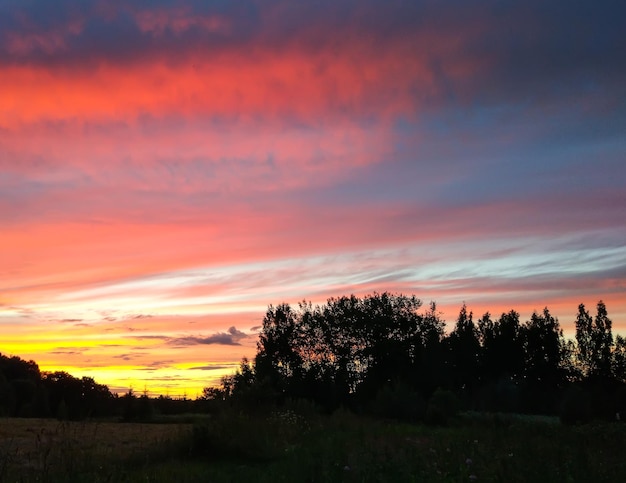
46, 449
285, 446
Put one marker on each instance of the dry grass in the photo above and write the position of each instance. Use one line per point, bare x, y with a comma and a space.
33, 448
285, 446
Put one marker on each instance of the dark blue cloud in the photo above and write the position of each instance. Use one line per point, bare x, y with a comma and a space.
232, 336
93, 31
522, 52
547, 36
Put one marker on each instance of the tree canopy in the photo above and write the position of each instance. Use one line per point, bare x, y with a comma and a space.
352, 351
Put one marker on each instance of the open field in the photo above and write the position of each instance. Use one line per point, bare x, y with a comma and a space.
353, 449
286, 446
35, 449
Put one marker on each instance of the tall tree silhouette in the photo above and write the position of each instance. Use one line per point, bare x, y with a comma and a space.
464, 352
584, 340
602, 342
429, 369
343, 324
502, 354
594, 340
502, 361
278, 357
619, 359
545, 350
391, 337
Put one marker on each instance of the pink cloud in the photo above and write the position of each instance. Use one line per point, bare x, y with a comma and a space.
193, 157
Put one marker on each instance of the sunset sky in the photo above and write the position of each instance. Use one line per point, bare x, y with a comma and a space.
168, 169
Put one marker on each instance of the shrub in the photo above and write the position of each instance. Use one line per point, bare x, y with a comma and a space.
62, 413
575, 406
442, 406
398, 401
234, 436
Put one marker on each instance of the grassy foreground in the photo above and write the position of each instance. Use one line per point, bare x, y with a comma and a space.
286, 446
50, 450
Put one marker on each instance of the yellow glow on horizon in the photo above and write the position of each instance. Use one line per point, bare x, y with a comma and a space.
167, 381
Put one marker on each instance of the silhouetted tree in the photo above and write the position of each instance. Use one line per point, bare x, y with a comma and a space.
487, 336
544, 374
619, 359
430, 356
584, 340
130, 407
464, 353
20, 387
343, 324
25, 391
602, 342
511, 345
81, 398
7, 397
278, 358
502, 362
390, 338
594, 343
96, 399
543, 344
381, 354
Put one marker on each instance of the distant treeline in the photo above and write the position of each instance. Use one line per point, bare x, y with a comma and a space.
25, 391
385, 355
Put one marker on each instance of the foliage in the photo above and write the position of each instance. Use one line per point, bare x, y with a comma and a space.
348, 347
463, 346
382, 354
442, 406
619, 359
595, 343
398, 401
575, 406
79, 398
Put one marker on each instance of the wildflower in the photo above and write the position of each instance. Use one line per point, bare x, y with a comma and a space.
468, 461
346, 468
473, 477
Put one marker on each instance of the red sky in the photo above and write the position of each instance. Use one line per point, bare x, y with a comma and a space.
170, 168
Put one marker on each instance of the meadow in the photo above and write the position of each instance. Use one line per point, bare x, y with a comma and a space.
293, 445
51, 450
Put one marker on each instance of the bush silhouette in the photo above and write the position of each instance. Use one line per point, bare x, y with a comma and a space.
442, 406
575, 406
398, 401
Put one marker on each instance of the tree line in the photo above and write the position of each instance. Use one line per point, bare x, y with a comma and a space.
387, 354
383, 354
25, 391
